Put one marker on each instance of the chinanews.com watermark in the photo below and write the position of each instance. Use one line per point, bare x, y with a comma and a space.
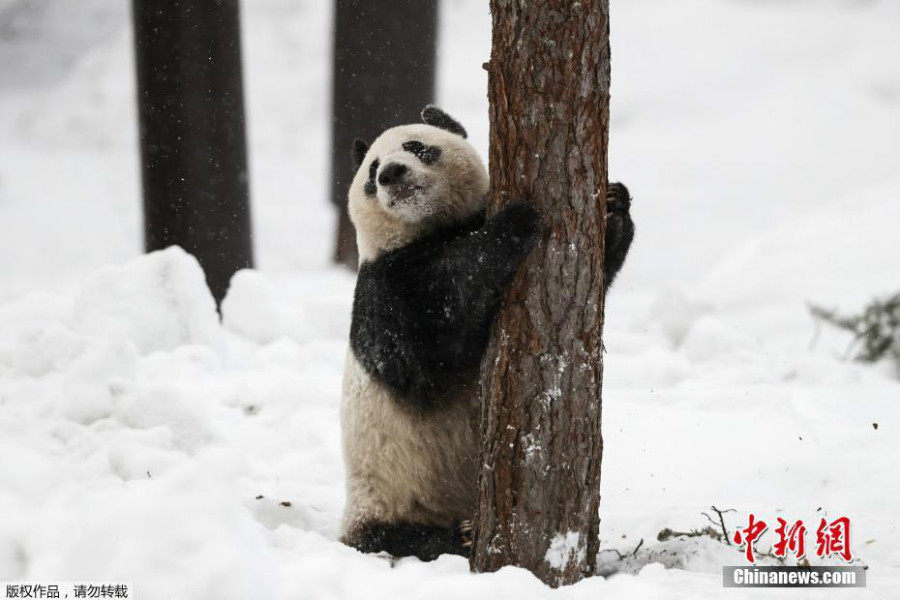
832, 539
793, 576
41, 590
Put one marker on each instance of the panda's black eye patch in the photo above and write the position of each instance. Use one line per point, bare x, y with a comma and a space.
370, 184
427, 154
414, 146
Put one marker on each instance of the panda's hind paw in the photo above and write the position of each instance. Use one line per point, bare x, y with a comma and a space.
464, 528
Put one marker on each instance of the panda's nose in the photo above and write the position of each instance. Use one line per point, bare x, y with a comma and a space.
392, 174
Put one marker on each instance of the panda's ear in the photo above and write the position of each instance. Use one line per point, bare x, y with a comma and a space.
360, 147
432, 115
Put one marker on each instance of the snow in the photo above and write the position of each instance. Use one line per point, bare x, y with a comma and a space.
145, 441
565, 549
159, 301
252, 309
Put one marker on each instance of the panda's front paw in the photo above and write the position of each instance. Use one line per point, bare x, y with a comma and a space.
618, 200
519, 220
619, 229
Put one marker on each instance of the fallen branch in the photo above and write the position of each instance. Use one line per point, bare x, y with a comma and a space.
721, 522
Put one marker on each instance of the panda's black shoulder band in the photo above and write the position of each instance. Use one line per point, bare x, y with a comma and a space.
434, 116
422, 313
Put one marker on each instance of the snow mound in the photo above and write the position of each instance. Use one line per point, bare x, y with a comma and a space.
153, 526
252, 309
158, 301
186, 418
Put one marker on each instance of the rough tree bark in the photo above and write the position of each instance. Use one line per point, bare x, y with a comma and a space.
538, 490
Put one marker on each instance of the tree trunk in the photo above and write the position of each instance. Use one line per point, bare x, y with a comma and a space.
193, 149
539, 488
384, 71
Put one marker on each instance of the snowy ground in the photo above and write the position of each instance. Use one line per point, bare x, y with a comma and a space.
141, 440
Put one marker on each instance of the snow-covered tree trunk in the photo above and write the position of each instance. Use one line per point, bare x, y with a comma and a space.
539, 486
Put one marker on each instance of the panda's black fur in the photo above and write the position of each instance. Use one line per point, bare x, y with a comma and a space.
453, 280
422, 314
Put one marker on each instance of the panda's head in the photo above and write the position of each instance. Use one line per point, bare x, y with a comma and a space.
412, 179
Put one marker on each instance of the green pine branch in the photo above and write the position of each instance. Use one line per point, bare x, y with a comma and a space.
876, 330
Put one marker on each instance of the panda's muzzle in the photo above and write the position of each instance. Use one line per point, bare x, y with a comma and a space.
396, 180
392, 174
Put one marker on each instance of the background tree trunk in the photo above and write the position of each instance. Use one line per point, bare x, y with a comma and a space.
539, 489
384, 70
193, 148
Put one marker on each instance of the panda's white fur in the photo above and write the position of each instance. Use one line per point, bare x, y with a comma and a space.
403, 465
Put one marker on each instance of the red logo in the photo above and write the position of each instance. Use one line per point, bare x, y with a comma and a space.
749, 535
791, 539
832, 539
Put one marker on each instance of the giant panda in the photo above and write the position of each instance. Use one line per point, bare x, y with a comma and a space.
431, 277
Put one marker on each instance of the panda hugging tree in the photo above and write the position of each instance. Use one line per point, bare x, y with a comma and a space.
462, 430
